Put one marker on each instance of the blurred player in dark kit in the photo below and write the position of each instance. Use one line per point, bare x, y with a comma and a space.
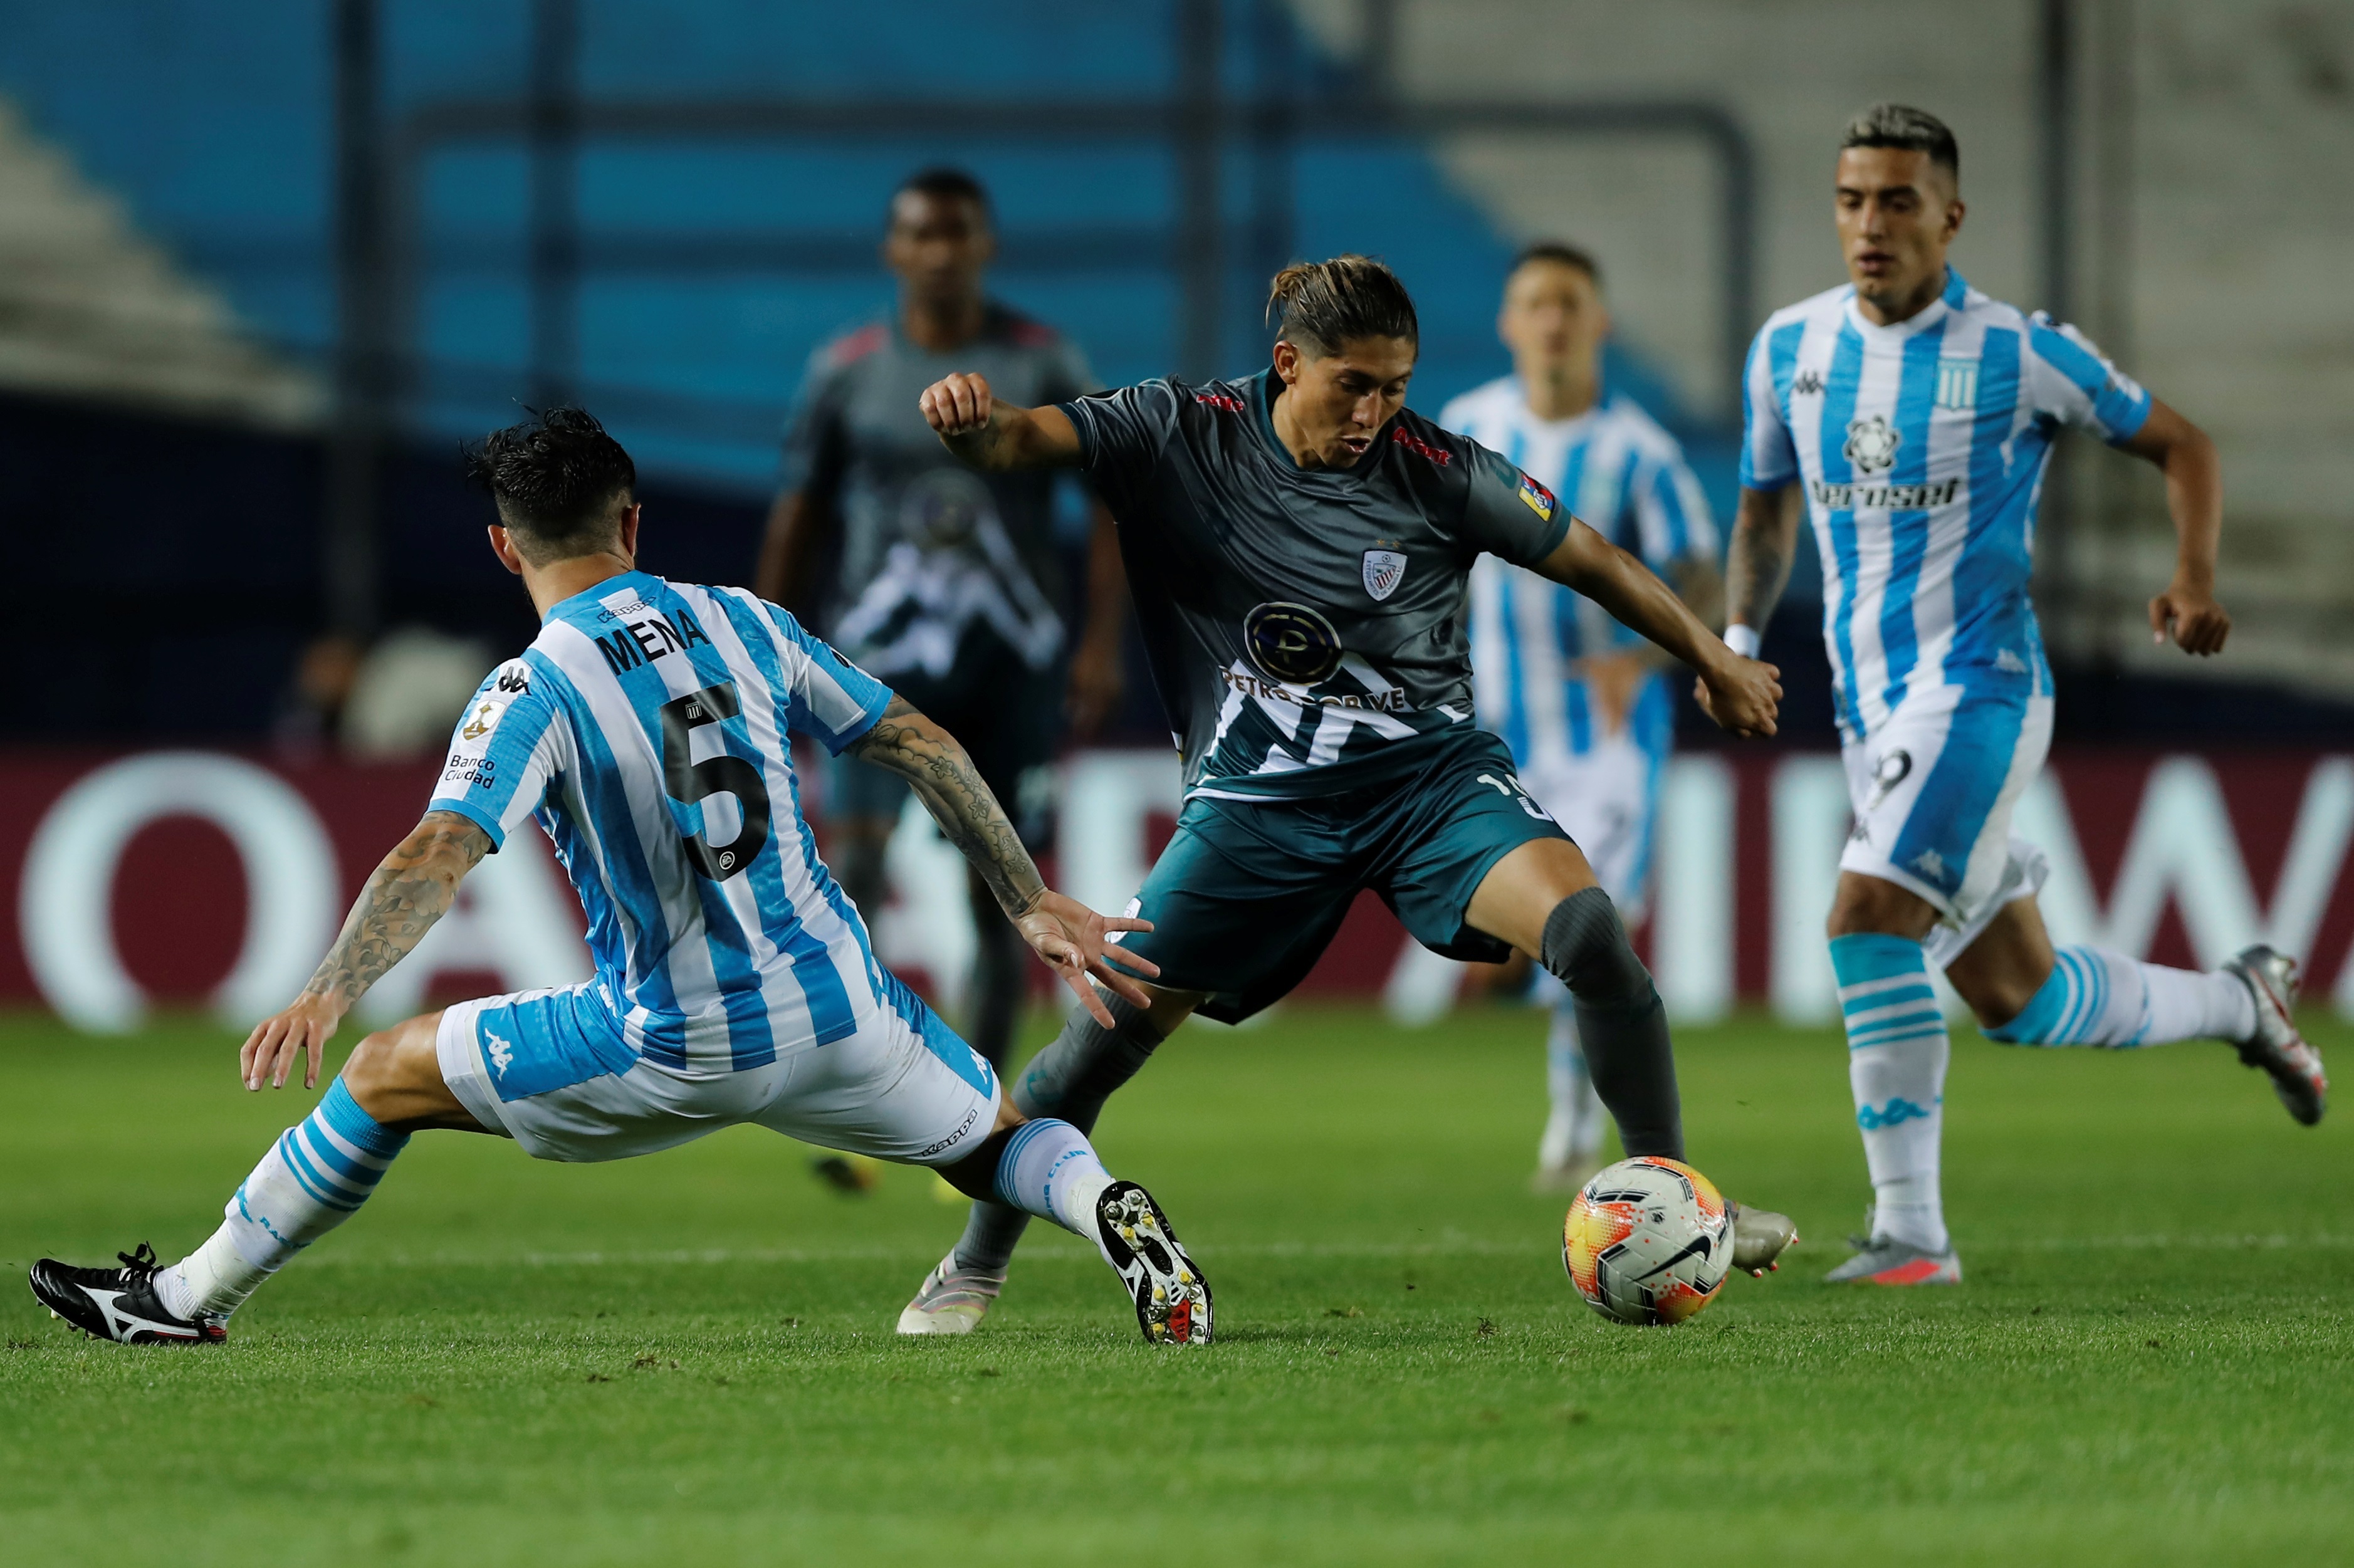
948, 584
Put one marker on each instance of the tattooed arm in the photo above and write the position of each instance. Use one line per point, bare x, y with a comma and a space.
1068, 935
413, 888
1764, 536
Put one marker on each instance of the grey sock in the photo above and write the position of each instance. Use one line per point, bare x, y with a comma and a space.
1621, 1024
1071, 1078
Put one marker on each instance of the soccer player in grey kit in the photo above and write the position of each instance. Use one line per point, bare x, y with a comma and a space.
948, 583
1300, 545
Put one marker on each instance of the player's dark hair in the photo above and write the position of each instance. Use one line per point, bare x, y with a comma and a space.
560, 483
1320, 305
1560, 254
945, 183
1913, 130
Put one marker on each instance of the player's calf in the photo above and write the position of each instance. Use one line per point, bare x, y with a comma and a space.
1622, 1026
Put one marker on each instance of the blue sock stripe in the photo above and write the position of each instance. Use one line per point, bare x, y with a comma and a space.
310, 1178
1903, 1036
1872, 992
345, 1170
1023, 1136
1913, 1006
340, 1111
2087, 980
1872, 955
1896, 1028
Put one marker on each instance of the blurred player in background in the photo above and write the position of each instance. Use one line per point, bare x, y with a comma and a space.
1300, 543
946, 583
647, 730
1919, 416
1584, 703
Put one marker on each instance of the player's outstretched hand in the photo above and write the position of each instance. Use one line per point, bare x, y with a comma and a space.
956, 405
2198, 622
1742, 695
1074, 941
303, 1028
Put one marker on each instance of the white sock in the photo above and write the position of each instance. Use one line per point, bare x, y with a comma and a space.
313, 1180
2095, 997
215, 1279
1051, 1170
1573, 1129
1897, 1052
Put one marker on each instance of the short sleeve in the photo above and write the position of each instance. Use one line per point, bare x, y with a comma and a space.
1121, 432
1671, 512
813, 458
1768, 458
827, 697
511, 741
1505, 512
2070, 382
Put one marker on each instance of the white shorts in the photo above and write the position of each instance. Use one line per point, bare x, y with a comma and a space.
1934, 789
1605, 800
548, 1068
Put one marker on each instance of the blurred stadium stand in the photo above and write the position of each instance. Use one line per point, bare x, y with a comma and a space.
261, 270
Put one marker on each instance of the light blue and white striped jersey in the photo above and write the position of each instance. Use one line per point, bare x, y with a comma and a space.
1923, 446
1624, 477
649, 729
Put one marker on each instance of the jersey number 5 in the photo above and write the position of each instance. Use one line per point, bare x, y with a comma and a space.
689, 782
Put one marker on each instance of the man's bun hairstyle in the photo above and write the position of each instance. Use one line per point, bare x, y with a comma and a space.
1912, 130
560, 483
1317, 306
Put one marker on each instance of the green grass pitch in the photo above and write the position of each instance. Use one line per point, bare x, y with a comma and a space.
688, 1359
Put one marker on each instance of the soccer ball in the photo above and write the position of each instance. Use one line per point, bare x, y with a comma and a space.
1648, 1241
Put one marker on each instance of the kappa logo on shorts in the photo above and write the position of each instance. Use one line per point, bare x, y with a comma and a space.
1385, 569
502, 1053
1931, 864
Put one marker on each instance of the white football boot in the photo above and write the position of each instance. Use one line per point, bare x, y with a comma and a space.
951, 1300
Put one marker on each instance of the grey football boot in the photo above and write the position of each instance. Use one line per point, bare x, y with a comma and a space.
1759, 1238
1885, 1260
2294, 1066
1881, 1259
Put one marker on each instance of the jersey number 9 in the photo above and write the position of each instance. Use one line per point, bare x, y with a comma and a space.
689, 782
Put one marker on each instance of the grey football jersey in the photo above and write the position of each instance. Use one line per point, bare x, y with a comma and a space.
932, 553
1306, 625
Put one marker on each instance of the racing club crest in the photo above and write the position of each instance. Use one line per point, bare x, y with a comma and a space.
1385, 569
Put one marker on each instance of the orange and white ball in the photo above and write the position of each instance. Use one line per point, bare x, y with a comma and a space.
1648, 1240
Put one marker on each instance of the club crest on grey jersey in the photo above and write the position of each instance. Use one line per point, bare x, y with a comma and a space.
1385, 569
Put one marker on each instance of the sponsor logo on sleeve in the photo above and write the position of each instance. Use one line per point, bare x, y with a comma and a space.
1537, 498
482, 718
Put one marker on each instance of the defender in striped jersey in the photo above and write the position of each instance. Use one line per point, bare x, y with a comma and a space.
1583, 701
1916, 417
648, 731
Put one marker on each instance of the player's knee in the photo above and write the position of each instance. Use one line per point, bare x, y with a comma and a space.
1585, 948
372, 1070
